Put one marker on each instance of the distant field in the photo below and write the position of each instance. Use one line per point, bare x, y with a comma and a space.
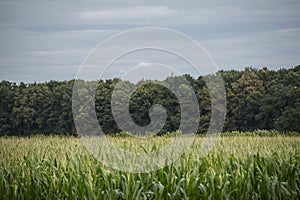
238, 167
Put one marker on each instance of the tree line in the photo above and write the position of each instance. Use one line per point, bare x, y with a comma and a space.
256, 99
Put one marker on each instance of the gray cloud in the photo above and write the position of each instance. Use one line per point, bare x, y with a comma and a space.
136, 13
43, 40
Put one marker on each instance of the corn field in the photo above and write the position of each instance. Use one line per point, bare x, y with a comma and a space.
238, 167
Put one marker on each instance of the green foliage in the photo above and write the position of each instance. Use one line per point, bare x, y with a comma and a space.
237, 168
122, 134
173, 134
256, 100
260, 133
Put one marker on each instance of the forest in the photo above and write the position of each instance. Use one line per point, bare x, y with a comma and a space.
256, 99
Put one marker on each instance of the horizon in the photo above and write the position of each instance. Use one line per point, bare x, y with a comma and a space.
145, 79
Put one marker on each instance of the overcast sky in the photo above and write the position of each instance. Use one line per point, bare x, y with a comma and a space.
44, 40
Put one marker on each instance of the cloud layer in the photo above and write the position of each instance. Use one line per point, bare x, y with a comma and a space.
43, 40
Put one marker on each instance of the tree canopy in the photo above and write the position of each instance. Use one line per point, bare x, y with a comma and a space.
256, 99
